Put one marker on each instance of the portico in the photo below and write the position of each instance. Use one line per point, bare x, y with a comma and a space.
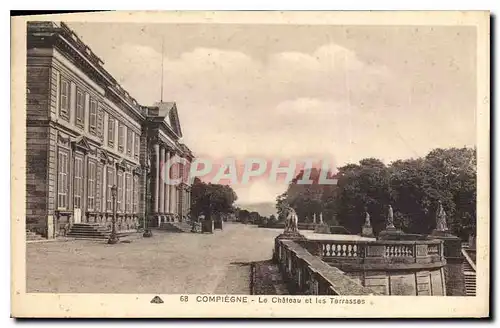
170, 162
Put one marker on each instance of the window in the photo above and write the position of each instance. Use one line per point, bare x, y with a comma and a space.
98, 188
77, 183
111, 131
136, 194
80, 101
121, 135
129, 141
62, 179
65, 92
128, 192
91, 186
93, 116
119, 197
110, 178
137, 142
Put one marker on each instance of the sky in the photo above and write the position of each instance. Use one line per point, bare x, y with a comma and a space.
279, 91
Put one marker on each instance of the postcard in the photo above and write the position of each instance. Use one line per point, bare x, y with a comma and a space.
250, 164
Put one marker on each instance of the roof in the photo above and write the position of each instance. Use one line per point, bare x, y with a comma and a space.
164, 108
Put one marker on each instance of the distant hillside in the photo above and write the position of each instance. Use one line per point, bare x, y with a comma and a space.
264, 209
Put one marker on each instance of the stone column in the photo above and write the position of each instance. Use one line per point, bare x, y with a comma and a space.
173, 192
157, 176
167, 186
162, 180
186, 207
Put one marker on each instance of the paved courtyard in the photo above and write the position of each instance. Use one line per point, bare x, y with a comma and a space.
166, 263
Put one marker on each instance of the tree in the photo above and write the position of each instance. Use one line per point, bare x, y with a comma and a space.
211, 199
279, 206
254, 217
362, 187
244, 216
413, 187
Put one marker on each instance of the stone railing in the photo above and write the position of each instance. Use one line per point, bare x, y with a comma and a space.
306, 274
386, 254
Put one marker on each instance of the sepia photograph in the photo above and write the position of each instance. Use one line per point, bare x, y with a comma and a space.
253, 163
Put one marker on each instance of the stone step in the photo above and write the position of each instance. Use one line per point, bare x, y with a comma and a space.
88, 231
176, 226
30, 235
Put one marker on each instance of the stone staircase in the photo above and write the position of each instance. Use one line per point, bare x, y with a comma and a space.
88, 231
176, 226
469, 270
32, 236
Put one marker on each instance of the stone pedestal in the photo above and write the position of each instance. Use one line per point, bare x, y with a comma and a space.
453, 271
218, 224
322, 228
367, 231
390, 233
295, 236
207, 226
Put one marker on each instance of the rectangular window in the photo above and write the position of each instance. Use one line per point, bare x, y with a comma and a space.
91, 186
119, 197
129, 141
80, 103
136, 194
64, 95
93, 116
128, 192
62, 179
98, 188
121, 135
110, 178
111, 131
137, 142
77, 182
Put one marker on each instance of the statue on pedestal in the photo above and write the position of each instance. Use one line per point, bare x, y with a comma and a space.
314, 218
441, 218
367, 230
291, 221
367, 220
390, 219
321, 218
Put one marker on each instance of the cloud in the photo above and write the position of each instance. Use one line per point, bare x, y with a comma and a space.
328, 102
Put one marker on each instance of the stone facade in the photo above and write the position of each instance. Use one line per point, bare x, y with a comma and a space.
85, 133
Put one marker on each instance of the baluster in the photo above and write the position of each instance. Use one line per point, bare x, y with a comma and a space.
344, 250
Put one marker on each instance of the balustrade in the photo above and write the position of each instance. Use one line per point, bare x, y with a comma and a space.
350, 250
307, 274
334, 249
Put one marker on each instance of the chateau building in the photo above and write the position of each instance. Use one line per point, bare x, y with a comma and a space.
85, 134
